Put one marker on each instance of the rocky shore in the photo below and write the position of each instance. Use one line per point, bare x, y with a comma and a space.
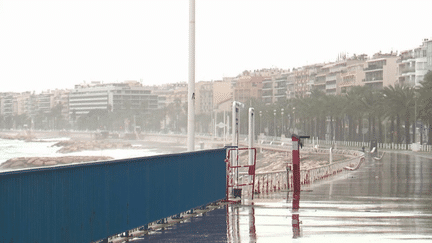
70, 146
19, 136
32, 162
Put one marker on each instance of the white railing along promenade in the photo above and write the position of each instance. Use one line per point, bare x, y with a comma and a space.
388, 146
273, 181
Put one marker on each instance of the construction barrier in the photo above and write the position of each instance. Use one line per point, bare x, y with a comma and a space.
92, 201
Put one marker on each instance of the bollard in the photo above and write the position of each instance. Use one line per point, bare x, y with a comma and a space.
258, 185
267, 191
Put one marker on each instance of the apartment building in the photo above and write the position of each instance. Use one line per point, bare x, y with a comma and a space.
320, 78
381, 71
275, 89
250, 84
23, 103
267, 91
203, 97
413, 64
428, 44
61, 97
168, 93
248, 87
113, 96
222, 92
7, 103
353, 76
290, 92
301, 76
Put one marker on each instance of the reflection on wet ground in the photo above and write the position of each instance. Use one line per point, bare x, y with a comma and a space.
383, 201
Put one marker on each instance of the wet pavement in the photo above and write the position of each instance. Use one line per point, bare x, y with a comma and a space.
383, 201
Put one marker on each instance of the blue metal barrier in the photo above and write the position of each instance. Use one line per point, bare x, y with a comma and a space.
88, 202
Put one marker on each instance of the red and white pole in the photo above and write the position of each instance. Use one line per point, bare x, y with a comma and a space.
296, 143
296, 172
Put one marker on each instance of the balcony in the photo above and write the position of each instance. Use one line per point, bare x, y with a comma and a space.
331, 78
373, 80
331, 86
373, 67
267, 94
407, 58
267, 86
408, 70
281, 93
347, 83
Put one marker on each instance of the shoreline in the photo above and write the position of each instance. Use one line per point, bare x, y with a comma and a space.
24, 150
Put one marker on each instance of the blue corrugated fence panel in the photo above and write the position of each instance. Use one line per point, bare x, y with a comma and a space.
87, 202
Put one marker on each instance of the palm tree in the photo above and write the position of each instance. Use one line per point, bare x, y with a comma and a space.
392, 111
317, 110
372, 102
355, 110
400, 100
424, 105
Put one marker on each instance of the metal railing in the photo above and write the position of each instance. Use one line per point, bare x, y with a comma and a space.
388, 146
268, 182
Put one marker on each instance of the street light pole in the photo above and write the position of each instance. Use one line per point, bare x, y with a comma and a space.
294, 123
282, 125
415, 119
260, 113
416, 87
274, 113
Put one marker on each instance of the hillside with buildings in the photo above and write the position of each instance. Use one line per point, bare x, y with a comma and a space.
130, 104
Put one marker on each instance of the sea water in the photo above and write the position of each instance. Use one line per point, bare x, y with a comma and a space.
17, 148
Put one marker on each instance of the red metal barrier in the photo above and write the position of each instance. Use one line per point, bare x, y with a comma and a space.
231, 169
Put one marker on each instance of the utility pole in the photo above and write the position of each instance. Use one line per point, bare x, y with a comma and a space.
191, 83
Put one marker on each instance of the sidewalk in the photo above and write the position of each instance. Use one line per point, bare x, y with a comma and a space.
427, 155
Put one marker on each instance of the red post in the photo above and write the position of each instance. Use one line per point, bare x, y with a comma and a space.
296, 172
296, 225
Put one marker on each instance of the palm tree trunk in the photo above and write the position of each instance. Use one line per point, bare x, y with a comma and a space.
392, 129
369, 128
398, 135
407, 135
421, 135
353, 129
343, 129
350, 130
380, 137
430, 131
337, 129
331, 128
311, 126
414, 132
322, 129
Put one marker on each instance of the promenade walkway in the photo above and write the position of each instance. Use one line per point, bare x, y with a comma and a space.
383, 201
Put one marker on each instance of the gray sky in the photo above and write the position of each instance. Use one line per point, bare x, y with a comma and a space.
59, 43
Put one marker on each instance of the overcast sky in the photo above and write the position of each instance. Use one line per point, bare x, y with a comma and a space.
60, 43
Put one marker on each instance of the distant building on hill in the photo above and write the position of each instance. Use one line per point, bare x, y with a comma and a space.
113, 96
